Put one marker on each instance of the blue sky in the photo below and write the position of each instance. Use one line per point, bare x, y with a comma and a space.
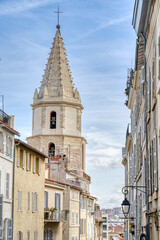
100, 44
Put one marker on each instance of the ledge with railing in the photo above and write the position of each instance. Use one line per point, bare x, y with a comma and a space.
53, 215
5, 118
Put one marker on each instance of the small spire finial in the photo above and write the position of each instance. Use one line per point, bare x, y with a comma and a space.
58, 12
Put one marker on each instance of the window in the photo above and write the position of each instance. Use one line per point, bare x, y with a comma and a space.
1, 217
9, 229
21, 158
72, 217
35, 235
51, 150
19, 235
53, 120
34, 164
1, 141
73, 194
24, 159
18, 157
7, 185
77, 195
28, 201
10, 146
104, 227
19, 200
72, 237
28, 235
0, 181
76, 218
34, 202
46, 199
39, 166
28, 166
7, 145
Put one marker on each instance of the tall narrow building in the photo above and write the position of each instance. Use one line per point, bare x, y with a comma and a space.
57, 108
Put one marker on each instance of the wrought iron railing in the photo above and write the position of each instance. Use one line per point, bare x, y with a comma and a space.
5, 118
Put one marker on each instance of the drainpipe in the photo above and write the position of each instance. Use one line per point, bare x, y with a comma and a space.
147, 155
14, 163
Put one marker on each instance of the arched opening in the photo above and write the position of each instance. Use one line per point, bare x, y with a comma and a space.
53, 120
51, 151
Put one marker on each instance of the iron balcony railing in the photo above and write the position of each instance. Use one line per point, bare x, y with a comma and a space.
55, 216
5, 118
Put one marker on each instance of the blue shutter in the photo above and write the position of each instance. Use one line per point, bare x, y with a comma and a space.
51, 234
59, 202
45, 235
46, 199
55, 200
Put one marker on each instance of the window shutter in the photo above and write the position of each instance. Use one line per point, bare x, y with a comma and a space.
34, 164
0, 181
33, 204
28, 160
28, 235
18, 235
72, 217
36, 202
1, 211
39, 167
55, 200
7, 185
9, 229
155, 165
7, 145
21, 234
24, 159
46, 199
48, 235
159, 57
59, 201
45, 235
3, 136
51, 234
28, 201
76, 218
11, 147
18, 157
19, 200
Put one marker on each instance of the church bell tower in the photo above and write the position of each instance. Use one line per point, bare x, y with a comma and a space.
57, 108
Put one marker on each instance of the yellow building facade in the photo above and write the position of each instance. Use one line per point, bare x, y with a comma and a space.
28, 192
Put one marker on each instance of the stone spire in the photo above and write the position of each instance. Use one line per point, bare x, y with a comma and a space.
57, 84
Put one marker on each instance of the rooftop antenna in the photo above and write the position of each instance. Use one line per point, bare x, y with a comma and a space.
2, 96
58, 12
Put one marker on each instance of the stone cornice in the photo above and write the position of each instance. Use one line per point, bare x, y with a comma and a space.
58, 135
61, 102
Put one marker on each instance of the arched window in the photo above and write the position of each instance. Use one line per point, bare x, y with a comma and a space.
53, 120
51, 151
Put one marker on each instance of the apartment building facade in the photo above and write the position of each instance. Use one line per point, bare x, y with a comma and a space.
29, 180
141, 159
7, 134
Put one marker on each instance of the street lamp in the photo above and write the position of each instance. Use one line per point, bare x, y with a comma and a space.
125, 207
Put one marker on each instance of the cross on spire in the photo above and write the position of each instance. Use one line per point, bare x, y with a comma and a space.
58, 12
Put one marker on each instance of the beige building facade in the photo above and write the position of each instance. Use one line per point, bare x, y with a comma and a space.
28, 192
141, 159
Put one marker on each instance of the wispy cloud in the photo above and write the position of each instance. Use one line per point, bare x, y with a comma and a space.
103, 25
10, 7
103, 151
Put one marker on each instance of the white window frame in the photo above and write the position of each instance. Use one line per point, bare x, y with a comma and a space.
18, 157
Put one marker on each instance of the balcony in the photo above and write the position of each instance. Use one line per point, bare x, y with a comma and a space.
55, 216
5, 118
